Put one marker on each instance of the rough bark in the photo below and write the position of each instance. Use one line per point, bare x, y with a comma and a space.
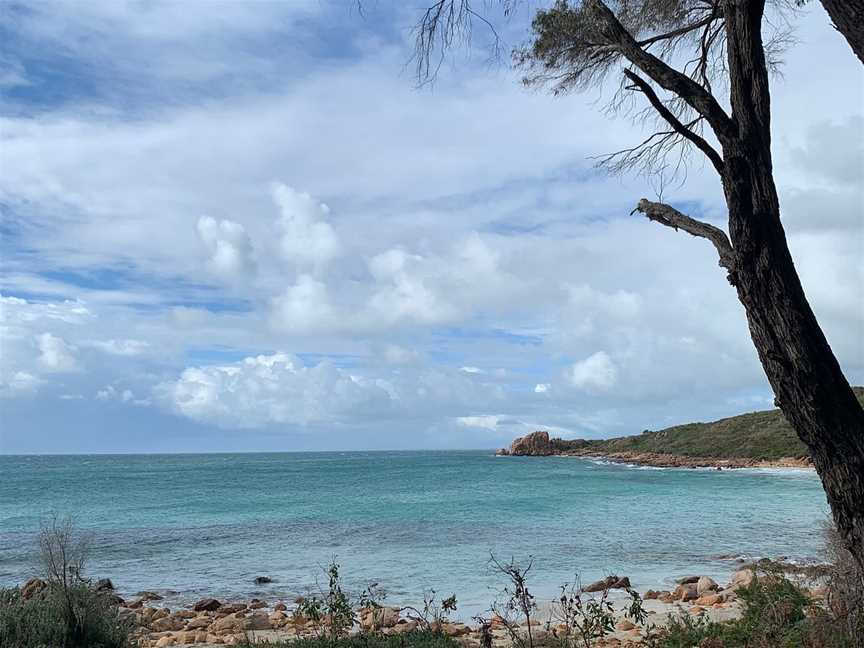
807, 380
808, 383
848, 19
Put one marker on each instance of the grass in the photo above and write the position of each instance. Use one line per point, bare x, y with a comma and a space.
761, 435
76, 618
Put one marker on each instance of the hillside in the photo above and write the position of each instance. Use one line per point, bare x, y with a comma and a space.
757, 436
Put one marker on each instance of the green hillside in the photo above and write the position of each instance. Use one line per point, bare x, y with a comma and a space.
759, 435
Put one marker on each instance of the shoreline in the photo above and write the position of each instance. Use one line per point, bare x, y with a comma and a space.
212, 622
659, 460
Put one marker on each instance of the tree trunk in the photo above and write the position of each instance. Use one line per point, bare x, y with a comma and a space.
848, 19
810, 387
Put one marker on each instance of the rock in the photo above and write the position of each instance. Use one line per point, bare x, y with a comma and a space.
165, 641
103, 585
696, 610
373, 618
231, 608
258, 621
32, 587
263, 580
685, 593
199, 623
707, 600
207, 605
227, 623
167, 624
742, 578
610, 582
536, 444
651, 595
625, 625
687, 580
706, 584
280, 607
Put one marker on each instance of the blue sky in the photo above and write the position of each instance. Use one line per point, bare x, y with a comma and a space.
240, 226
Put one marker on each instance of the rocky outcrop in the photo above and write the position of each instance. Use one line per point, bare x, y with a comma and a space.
536, 444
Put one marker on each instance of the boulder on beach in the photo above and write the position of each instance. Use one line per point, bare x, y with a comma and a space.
32, 587
103, 585
685, 592
610, 582
742, 578
706, 584
207, 605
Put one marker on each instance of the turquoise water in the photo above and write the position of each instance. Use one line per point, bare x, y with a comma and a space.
189, 525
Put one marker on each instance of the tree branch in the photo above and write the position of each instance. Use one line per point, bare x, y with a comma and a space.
671, 217
674, 122
667, 77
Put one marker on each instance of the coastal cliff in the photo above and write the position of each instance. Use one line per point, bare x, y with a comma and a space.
753, 440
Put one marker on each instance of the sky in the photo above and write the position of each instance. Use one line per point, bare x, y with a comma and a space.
243, 227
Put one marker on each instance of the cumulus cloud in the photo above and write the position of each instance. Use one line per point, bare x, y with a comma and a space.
279, 389
56, 355
229, 249
307, 239
596, 372
271, 389
305, 308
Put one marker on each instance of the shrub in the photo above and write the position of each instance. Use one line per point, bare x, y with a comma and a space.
776, 614
77, 617
67, 613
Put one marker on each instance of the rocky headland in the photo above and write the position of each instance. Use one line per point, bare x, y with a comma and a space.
540, 444
761, 439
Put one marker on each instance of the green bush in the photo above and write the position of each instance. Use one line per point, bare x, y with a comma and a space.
415, 639
75, 618
776, 614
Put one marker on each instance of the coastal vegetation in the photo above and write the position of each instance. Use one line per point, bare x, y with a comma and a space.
763, 436
65, 610
763, 606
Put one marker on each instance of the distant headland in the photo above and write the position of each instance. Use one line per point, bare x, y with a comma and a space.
754, 440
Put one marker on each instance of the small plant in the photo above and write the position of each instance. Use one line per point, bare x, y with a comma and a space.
581, 618
434, 613
331, 612
518, 606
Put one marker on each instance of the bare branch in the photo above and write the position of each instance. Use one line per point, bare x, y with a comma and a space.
700, 143
671, 217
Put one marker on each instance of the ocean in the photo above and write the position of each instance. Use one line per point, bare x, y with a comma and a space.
187, 526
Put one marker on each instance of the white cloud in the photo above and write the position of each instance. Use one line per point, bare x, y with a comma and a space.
485, 421
279, 389
597, 371
307, 240
119, 347
229, 249
56, 355
471, 370
305, 308
542, 388
20, 383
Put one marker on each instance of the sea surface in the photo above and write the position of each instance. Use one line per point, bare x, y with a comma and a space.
193, 525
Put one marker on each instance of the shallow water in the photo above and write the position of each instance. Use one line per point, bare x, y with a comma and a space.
190, 525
